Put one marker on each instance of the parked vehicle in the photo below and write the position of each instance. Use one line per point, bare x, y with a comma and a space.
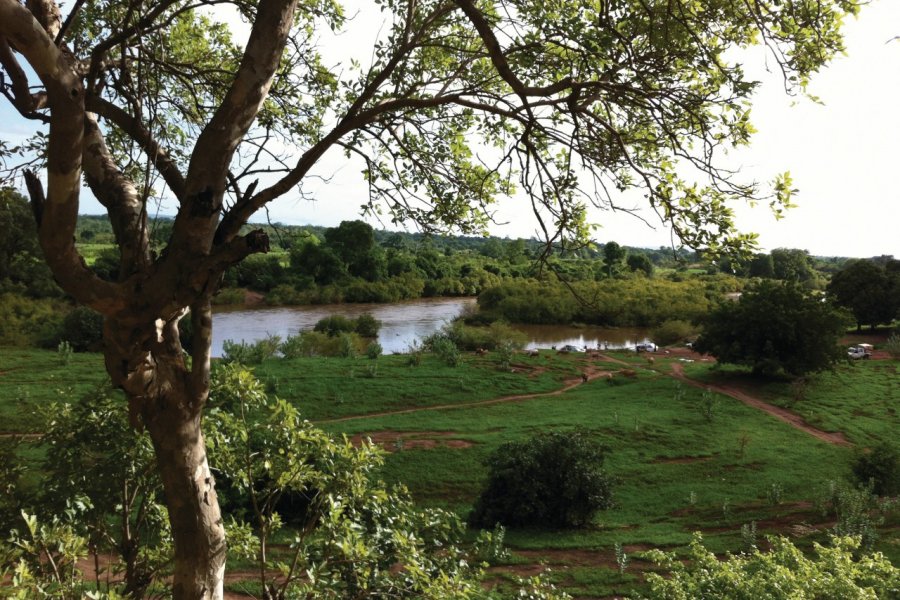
646, 347
860, 351
571, 348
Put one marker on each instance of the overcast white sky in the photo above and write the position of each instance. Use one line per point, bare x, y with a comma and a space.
843, 156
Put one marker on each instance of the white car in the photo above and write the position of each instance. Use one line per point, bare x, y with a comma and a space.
570, 348
863, 351
646, 347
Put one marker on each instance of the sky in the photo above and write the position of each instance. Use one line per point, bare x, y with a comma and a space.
842, 153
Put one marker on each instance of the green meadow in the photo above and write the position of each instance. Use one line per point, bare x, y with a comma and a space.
685, 461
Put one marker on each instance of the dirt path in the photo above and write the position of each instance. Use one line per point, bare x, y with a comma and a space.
24, 436
792, 419
590, 370
786, 416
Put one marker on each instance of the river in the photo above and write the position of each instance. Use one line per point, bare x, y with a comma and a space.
402, 324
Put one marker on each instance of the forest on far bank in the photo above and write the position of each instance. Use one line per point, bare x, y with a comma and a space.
517, 280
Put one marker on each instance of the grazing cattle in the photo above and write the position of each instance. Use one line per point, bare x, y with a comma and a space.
481, 352
533, 353
594, 354
584, 378
628, 373
650, 360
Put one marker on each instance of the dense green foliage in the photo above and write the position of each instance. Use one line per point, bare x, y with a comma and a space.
784, 573
22, 267
775, 327
880, 469
274, 468
551, 480
871, 291
637, 302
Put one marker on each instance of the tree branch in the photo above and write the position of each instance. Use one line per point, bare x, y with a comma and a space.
199, 213
60, 212
159, 156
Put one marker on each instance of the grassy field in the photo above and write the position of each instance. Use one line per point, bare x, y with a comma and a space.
679, 472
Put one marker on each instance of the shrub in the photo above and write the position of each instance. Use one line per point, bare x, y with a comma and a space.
310, 343
505, 352
414, 355
445, 349
367, 326
879, 468
671, 332
250, 353
229, 296
283, 294
83, 328
347, 343
551, 480
780, 574
467, 337
334, 325
30, 321
374, 350
892, 345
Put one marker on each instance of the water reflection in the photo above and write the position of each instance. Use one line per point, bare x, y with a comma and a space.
402, 324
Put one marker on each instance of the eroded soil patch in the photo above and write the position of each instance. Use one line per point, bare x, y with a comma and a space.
393, 441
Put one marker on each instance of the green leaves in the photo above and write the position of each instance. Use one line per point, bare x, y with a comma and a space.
783, 572
351, 529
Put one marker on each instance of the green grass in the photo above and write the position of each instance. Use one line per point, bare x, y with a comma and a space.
330, 388
31, 379
678, 472
860, 399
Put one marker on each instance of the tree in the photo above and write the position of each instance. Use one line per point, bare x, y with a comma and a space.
639, 262
791, 265
870, 292
142, 101
22, 266
553, 479
354, 243
762, 266
775, 327
613, 254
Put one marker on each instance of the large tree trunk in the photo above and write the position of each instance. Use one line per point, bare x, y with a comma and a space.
197, 527
166, 397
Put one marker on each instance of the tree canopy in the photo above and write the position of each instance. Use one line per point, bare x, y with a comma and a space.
870, 291
775, 327
458, 103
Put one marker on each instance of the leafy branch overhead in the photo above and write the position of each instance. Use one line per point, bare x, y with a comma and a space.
566, 103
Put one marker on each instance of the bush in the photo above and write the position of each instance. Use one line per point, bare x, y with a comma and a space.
30, 321
335, 325
229, 296
347, 345
783, 573
551, 480
672, 332
83, 329
374, 350
250, 354
490, 338
310, 343
892, 345
367, 326
879, 468
445, 349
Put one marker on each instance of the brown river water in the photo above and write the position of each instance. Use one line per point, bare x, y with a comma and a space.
402, 324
